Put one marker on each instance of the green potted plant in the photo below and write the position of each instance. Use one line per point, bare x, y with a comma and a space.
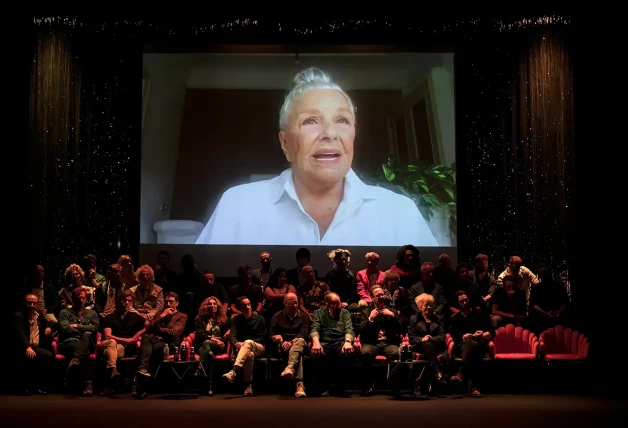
431, 187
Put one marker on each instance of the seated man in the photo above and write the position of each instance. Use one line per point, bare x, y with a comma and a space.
427, 337
471, 330
288, 330
380, 334
312, 292
246, 288
248, 333
148, 297
332, 339
122, 329
548, 303
78, 327
509, 304
165, 329
32, 345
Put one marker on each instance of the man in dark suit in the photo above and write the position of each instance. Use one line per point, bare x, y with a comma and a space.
294, 276
33, 342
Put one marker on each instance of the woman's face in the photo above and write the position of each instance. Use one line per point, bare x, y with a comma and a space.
212, 306
318, 141
281, 279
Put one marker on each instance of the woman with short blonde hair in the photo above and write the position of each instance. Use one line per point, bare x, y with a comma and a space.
427, 337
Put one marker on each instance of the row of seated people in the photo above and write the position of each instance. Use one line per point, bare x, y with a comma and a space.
125, 332
546, 304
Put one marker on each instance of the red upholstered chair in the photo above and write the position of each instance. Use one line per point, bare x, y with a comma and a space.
564, 344
515, 343
58, 356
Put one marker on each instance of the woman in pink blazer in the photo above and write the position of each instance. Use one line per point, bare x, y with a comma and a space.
369, 277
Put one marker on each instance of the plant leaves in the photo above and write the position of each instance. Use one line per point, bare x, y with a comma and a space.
388, 172
431, 200
450, 193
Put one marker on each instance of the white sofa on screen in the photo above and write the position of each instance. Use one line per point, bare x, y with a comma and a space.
178, 231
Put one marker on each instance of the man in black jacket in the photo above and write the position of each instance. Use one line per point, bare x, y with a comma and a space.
248, 334
33, 345
47, 294
380, 334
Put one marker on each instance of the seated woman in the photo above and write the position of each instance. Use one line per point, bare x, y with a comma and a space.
471, 330
209, 332
275, 292
427, 337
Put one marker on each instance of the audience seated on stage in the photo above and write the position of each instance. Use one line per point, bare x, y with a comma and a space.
210, 330
312, 292
341, 280
164, 329
408, 266
428, 286
471, 332
548, 303
47, 295
78, 329
74, 278
132, 318
288, 330
525, 279
248, 336
482, 279
148, 297
208, 287
275, 293
369, 277
426, 334
32, 345
122, 330
246, 288
509, 304
109, 292
261, 275
295, 276
380, 334
332, 342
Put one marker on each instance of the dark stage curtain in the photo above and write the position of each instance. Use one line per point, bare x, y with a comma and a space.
82, 189
516, 149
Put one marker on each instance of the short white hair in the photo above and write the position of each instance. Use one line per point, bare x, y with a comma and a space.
306, 80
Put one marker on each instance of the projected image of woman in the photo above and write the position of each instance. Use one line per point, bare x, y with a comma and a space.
319, 200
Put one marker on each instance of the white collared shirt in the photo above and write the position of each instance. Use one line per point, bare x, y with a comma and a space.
269, 212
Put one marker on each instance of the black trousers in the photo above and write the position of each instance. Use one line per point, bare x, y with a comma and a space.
329, 366
35, 369
368, 354
472, 351
429, 351
152, 348
79, 348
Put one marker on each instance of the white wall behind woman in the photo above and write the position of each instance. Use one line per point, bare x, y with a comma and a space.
160, 139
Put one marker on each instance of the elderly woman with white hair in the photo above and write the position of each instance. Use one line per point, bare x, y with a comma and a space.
319, 200
426, 334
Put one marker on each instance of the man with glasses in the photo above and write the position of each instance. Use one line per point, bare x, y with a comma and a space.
471, 330
165, 329
380, 334
332, 340
148, 297
122, 329
288, 330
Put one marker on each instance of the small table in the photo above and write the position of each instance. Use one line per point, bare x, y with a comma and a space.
176, 367
397, 364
